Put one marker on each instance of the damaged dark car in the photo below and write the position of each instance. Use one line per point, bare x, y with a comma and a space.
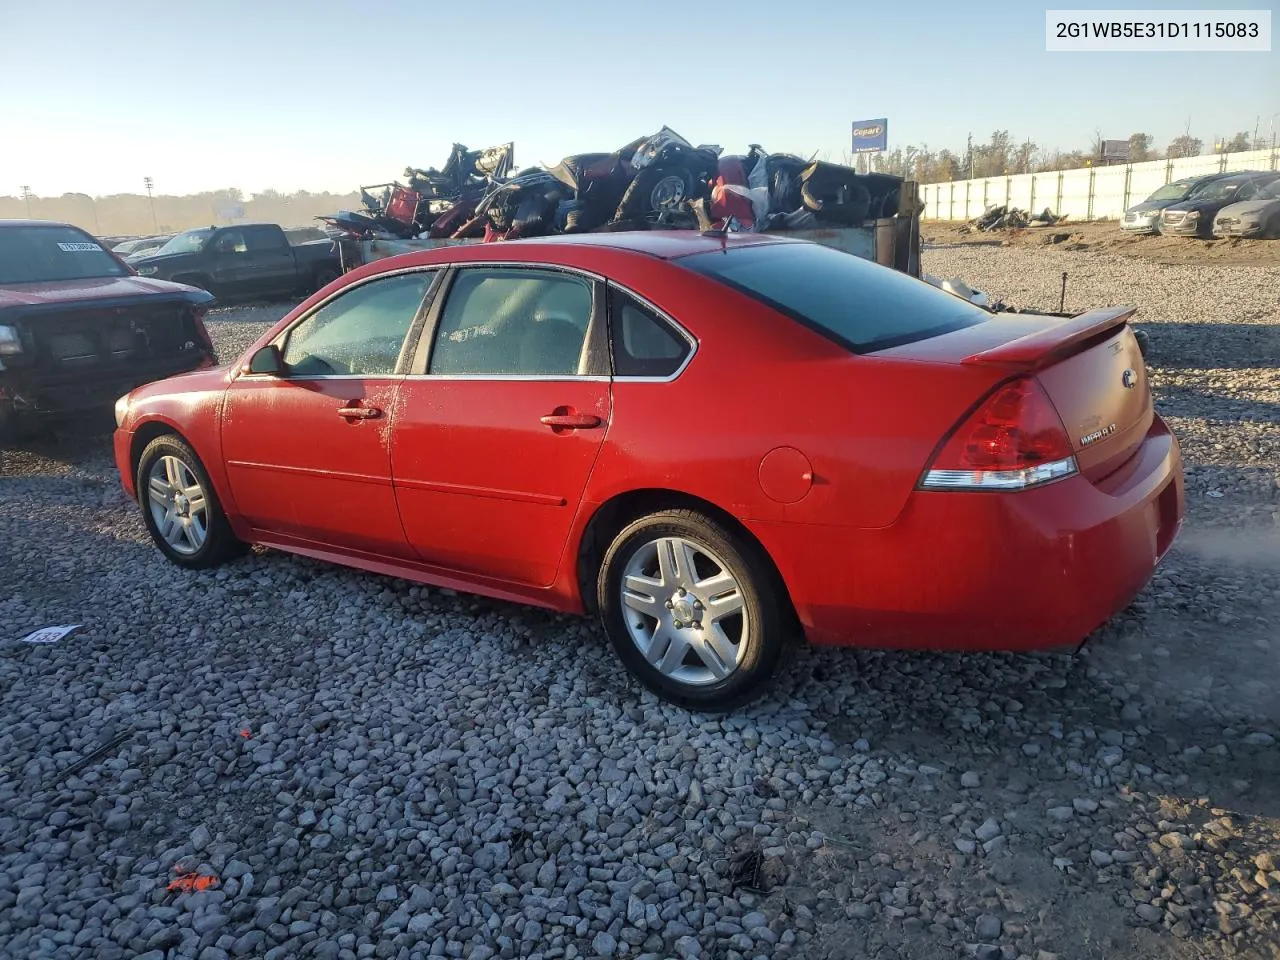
78, 328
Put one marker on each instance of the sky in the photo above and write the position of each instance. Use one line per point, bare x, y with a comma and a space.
327, 95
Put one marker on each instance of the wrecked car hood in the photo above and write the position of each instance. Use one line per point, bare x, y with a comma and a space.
78, 291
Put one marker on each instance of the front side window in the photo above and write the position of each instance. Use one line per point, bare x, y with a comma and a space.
505, 322
359, 333
230, 242
40, 254
644, 345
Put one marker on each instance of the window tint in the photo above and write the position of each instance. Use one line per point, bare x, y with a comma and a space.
361, 332
232, 241
505, 322
855, 302
41, 254
644, 345
264, 238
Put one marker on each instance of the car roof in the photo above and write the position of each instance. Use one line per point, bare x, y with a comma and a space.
662, 244
1247, 175
37, 223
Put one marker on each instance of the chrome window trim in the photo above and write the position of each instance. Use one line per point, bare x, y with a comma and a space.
279, 339
591, 275
666, 318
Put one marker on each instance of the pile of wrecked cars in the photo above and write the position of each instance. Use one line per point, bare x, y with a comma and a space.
660, 182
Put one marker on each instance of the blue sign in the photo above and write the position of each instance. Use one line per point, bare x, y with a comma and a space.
870, 136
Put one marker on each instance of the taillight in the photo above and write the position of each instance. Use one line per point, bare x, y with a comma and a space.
1014, 440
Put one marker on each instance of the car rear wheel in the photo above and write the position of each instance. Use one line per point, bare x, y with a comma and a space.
694, 610
180, 507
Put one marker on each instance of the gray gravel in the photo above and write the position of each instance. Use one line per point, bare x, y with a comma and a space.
371, 768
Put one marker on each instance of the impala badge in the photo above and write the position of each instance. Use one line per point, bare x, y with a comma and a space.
1097, 435
1130, 379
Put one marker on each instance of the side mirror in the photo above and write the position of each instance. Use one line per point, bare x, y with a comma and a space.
267, 360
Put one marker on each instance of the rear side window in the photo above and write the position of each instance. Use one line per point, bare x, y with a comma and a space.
263, 238
42, 254
644, 345
859, 304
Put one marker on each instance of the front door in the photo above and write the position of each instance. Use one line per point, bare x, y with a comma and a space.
308, 452
493, 445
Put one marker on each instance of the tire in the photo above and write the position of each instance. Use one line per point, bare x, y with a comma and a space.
638, 201
754, 643
218, 544
1271, 230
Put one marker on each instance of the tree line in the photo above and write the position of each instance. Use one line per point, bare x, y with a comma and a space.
1002, 155
131, 214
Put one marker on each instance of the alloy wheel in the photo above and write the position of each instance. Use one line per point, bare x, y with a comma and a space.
178, 505
684, 611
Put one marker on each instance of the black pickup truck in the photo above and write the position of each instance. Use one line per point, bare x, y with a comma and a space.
246, 261
78, 329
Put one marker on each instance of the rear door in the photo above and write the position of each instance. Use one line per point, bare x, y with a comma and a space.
274, 266
499, 425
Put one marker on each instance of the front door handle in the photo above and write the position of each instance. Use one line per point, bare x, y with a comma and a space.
570, 421
359, 413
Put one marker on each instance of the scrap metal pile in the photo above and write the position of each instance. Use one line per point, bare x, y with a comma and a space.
662, 181
1004, 218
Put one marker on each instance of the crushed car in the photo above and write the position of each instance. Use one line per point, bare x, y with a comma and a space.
78, 327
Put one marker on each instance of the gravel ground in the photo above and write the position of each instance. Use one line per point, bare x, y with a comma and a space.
368, 768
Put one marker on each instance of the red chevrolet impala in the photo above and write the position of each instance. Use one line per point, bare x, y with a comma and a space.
718, 445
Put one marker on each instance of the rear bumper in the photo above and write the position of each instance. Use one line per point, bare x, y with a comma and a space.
989, 571
41, 392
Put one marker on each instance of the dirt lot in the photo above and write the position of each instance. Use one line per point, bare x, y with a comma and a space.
374, 769
1105, 237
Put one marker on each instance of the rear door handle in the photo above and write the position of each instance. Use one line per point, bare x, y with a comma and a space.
570, 421
359, 413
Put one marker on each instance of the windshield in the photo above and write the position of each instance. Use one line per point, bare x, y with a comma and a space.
43, 254
859, 304
189, 241
1173, 191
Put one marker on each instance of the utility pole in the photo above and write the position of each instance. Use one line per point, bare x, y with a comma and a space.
147, 181
26, 195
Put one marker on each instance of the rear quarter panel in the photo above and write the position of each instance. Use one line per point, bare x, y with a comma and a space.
758, 381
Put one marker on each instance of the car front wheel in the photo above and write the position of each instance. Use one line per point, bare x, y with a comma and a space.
180, 508
694, 610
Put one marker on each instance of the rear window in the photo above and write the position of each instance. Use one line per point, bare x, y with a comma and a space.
859, 304
45, 254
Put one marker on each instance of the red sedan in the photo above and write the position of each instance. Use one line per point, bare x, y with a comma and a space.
717, 445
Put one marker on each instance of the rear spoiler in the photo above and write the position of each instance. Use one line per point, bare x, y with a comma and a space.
1046, 346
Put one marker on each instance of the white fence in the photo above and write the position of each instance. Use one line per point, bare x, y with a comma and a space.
1089, 193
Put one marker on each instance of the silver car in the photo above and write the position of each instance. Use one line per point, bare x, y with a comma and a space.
1258, 216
